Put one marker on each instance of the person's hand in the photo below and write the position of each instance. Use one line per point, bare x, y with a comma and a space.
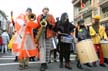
37, 45
59, 32
49, 26
94, 35
106, 39
24, 24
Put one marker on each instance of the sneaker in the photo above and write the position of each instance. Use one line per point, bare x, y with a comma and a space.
106, 61
88, 65
79, 66
21, 67
26, 66
102, 65
55, 60
67, 65
33, 58
42, 68
45, 66
49, 61
16, 59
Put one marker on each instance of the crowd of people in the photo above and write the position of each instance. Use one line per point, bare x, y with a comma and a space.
55, 36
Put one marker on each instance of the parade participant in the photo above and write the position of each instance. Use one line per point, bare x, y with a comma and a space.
24, 45
97, 32
54, 52
64, 27
57, 20
11, 26
11, 31
82, 33
46, 38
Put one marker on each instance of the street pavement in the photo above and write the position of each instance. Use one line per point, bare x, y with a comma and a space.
7, 64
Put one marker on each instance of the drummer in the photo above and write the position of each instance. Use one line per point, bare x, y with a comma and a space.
97, 33
64, 27
81, 34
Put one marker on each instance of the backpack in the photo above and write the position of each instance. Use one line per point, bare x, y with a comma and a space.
83, 34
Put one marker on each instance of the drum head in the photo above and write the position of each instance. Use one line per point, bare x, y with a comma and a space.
86, 51
67, 39
103, 41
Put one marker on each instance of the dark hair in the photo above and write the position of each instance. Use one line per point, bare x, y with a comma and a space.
63, 17
57, 18
96, 21
29, 9
80, 22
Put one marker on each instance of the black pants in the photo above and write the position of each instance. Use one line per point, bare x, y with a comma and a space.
64, 52
54, 52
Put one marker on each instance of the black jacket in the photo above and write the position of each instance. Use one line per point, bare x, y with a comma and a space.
66, 27
87, 36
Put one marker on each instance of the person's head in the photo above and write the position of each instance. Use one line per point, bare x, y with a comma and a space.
64, 17
45, 10
93, 21
57, 18
28, 11
96, 19
81, 22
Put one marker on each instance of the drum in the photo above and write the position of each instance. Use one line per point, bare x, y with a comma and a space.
65, 38
104, 45
86, 51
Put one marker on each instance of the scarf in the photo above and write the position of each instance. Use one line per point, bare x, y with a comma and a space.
96, 27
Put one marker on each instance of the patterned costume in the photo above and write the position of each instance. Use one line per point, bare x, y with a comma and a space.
24, 45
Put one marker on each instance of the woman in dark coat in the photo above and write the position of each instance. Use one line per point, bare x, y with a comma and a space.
64, 27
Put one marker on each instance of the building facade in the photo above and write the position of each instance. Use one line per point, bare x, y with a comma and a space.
90, 9
3, 21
